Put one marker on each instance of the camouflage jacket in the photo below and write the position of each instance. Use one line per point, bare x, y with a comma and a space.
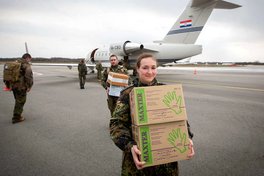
82, 69
116, 69
121, 134
25, 78
99, 67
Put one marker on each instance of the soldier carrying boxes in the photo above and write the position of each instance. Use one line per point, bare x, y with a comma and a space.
112, 89
153, 126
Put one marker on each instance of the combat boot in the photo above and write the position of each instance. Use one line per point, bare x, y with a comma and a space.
17, 119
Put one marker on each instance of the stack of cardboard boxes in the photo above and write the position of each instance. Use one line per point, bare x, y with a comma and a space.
159, 123
117, 83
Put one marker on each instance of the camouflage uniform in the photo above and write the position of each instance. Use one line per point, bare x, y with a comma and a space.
99, 69
121, 134
111, 100
21, 87
82, 74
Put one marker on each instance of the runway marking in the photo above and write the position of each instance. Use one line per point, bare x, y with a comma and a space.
37, 73
223, 86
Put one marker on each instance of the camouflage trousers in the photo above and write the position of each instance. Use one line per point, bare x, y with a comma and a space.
111, 101
129, 168
20, 98
82, 79
99, 74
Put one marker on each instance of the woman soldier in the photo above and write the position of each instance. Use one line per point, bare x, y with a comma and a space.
121, 125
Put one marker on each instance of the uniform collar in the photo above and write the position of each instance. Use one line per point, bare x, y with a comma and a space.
138, 83
114, 67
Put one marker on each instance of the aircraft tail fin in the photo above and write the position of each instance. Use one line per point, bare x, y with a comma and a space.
191, 22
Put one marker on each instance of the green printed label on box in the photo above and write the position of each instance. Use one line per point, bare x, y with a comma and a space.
157, 104
141, 106
146, 153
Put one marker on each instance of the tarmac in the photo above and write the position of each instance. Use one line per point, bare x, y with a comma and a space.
66, 129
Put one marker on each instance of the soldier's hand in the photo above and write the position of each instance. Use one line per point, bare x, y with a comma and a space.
28, 89
136, 154
191, 149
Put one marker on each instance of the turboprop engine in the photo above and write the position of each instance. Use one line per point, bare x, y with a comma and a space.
125, 49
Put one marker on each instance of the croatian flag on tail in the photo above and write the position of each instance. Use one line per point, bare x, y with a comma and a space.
185, 23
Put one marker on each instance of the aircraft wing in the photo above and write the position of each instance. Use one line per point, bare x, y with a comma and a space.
69, 65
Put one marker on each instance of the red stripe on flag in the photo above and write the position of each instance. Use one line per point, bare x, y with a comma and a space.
186, 21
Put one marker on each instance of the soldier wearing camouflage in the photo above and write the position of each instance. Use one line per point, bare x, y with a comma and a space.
111, 100
99, 69
21, 87
82, 73
121, 131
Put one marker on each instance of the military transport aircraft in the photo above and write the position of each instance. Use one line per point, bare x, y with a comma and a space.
178, 43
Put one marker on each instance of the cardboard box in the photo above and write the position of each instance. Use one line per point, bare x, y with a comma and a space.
157, 104
162, 143
117, 79
115, 90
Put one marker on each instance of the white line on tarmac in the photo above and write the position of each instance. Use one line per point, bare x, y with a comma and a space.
213, 85
37, 73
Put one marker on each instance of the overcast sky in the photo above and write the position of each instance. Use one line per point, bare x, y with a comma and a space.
71, 28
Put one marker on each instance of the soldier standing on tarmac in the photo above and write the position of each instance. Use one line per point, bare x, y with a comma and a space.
115, 67
99, 69
21, 87
82, 73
